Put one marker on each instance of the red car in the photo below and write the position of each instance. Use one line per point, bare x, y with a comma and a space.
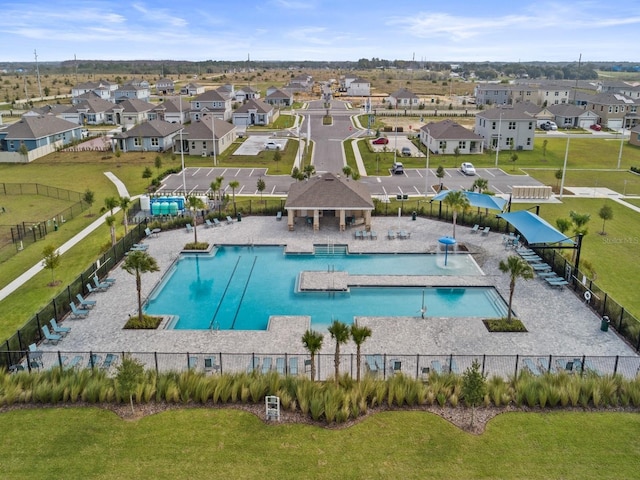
596, 127
381, 141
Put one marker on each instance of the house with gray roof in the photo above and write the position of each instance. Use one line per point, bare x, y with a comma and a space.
173, 110
89, 112
356, 86
507, 127
130, 91
102, 89
278, 97
634, 136
328, 199
212, 102
246, 93
40, 135
613, 109
446, 136
152, 136
199, 136
131, 112
165, 86
403, 98
254, 112
192, 89
572, 116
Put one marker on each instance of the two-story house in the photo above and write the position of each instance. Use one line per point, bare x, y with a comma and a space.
614, 110
403, 98
101, 89
165, 86
131, 91
192, 89
356, 86
212, 102
507, 127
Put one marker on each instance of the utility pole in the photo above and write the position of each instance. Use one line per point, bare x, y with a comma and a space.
38, 74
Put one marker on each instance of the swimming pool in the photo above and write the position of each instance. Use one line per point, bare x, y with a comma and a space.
240, 287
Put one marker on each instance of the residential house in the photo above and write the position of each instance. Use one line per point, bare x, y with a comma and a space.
554, 94
198, 136
571, 116
101, 89
131, 91
192, 89
278, 98
153, 136
504, 94
254, 112
446, 136
403, 98
131, 112
634, 136
165, 86
300, 83
40, 135
246, 93
54, 109
90, 112
213, 102
613, 109
507, 127
357, 86
173, 110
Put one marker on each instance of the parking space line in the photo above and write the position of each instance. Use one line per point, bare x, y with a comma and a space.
239, 192
488, 172
419, 173
273, 190
379, 180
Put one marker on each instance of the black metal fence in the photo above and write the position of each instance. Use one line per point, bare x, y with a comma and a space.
380, 365
59, 307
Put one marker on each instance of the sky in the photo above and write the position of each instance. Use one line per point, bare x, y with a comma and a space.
296, 30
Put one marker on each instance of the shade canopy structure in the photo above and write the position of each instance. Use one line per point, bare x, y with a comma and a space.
446, 241
534, 229
480, 200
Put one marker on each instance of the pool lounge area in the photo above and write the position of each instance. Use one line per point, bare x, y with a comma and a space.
557, 321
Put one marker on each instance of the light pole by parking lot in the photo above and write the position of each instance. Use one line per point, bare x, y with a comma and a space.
426, 173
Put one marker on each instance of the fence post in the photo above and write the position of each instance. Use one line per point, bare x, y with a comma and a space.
20, 340
351, 365
155, 359
91, 359
615, 365
515, 373
286, 364
417, 366
59, 359
549, 367
582, 366
220, 355
621, 316
484, 357
604, 303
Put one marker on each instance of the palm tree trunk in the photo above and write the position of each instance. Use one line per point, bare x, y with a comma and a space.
125, 221
113, 235
358, 363
139, 289
512, 287
313, 367
336, 361
455, 217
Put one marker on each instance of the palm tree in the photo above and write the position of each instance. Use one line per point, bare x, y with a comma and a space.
340, 333
309, 170
516, 267
312, 341
459, 203
195, 204
216, 185
234, 184
346, 170
137, 263
359, 335
111, 221
125, 203
482, 184
110, 203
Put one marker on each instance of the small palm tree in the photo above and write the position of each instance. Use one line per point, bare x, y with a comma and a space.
110, 203
359, 335
516, 267
234, 184
312, 341
111, 221
125, 203
195, 204
459, 203
137, 263
340, 333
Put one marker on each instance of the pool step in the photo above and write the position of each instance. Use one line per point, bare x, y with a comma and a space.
330, 250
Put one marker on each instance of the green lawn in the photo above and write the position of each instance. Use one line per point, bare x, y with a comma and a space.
193, 443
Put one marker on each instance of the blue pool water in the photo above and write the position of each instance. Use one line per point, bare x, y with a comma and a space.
240, 287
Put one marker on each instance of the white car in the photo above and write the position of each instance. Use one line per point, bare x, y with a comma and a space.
468, 168
271, 145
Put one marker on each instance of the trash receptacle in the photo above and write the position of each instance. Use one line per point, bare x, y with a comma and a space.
413, 215
239, 216
604, 324
55, 226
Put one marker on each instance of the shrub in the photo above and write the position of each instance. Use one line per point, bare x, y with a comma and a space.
148, 323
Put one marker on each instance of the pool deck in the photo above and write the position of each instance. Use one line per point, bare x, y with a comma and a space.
557, 321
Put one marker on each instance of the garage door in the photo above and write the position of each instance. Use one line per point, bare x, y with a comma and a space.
241, 120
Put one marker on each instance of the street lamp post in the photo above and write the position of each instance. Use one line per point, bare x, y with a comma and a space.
621, 142
426, 173
564, 167
213, 138
499, 135
184, 181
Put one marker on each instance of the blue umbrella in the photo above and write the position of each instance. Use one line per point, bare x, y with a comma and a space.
446, 241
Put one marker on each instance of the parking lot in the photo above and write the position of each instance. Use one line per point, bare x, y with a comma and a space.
397, 143
254, 144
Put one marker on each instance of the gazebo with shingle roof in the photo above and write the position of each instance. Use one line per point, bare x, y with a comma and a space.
329, 195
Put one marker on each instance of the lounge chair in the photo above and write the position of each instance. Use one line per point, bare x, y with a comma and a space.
207, 223
149, 233
560, 282
216, 222
591, 367
94, 361
85, 303
307, 365
475, 228
402, 234
139, 247
108, 361
280, 365
101, 285
75, 361
107, 280
254, 363
78, 312
436, 366
189, 228
539, 267
370, 361
35, 357
95, 289
50, 337
293, 366
279, 216
229, 220
453, 366
210, 364
391, 235
528, 363
374, 235
266, 364
485, 231
193, 362
59, 330
395, 366
358, 234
